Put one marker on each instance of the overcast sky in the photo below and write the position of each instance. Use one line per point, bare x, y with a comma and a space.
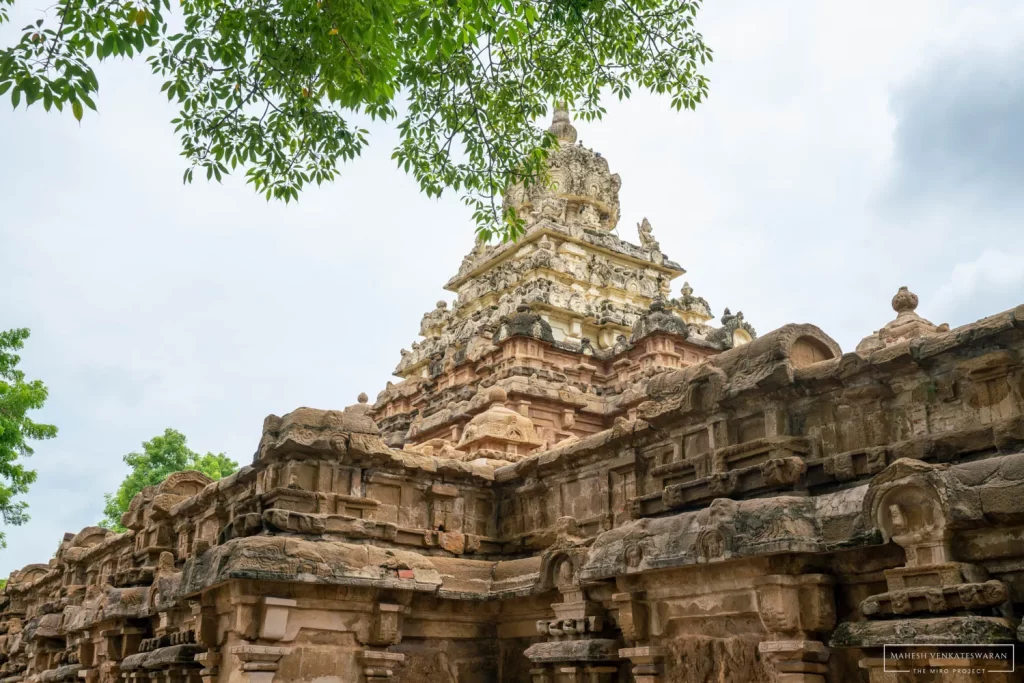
845, 150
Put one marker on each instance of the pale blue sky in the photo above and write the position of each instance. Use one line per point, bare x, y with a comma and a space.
843, 153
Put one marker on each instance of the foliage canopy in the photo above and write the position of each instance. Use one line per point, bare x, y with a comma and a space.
161, 456
278, 87
17, 398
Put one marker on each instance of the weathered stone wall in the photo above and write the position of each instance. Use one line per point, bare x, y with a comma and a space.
759, 511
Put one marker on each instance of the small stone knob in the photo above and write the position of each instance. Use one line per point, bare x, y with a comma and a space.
905, 300
363, 398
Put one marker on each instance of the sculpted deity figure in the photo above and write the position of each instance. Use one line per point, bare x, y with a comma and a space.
589, 216
565, 572
647, 240
899, 522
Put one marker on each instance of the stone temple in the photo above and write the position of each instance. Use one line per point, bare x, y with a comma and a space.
579, 477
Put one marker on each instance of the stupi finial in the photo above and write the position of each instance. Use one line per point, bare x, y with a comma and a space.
561, 125
905, 300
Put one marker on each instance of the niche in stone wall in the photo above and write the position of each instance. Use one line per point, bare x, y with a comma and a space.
749, 428
741, 337
808, 351
696, 443
660, 453
480, 512
582, 498
990, 391
388, 493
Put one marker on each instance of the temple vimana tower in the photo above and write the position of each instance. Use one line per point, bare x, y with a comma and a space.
580, 475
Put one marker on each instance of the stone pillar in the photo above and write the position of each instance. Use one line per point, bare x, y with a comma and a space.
379, 666
796, 661
575, 673
211, 665
259, 662
541, 675
646, 662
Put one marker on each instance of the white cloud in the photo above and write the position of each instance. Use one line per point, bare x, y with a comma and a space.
995, 277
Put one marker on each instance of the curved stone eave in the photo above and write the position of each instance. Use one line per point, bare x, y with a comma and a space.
745, 528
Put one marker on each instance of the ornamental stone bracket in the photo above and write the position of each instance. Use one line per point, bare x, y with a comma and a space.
274, 617
387, 624
796, 606
265, 618
259, 663
793, 610
632, 616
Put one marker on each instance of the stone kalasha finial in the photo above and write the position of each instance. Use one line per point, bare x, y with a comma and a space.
561, 125
687, 290
363, 398
907, 325
904, 301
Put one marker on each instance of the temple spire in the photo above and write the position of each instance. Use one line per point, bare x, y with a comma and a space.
561, 125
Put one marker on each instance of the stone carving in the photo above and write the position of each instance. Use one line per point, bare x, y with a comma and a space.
633, 555
658, 319
647, 240
711, 546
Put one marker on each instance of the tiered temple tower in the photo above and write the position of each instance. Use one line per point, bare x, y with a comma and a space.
569, 323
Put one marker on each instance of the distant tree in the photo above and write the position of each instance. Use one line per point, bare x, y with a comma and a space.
161, 456
17, 397
273, 85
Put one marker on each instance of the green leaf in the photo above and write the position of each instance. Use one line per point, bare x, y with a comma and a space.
160, 457
274, 87
18, 397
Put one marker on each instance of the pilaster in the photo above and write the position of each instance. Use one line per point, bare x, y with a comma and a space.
259, 663
379, 666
